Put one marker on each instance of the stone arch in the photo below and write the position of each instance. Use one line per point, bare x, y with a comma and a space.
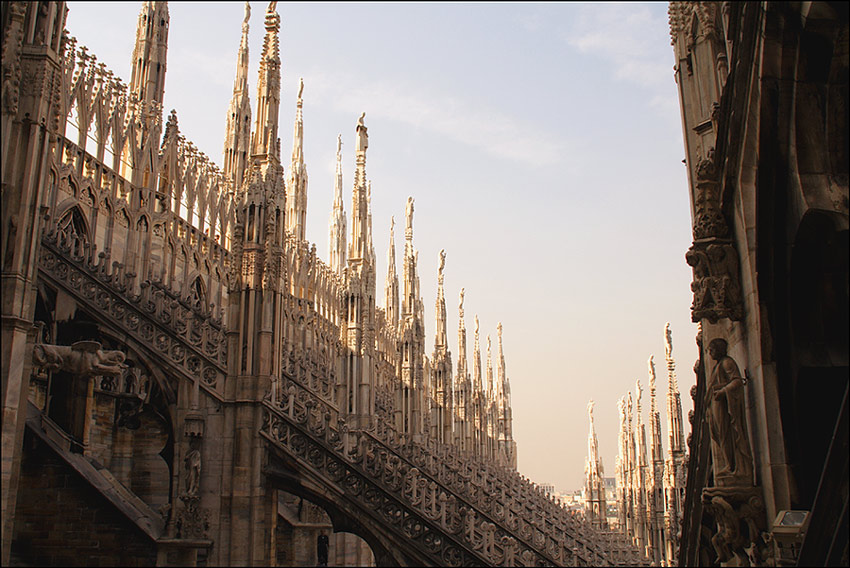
73, 218
343, 518
818, 338
72, 230
196, 293
143, 247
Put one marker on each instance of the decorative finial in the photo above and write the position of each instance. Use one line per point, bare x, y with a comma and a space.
300, 89
247, 15
272, 8
339, 146
668, 339
442, 261
476, 325
590, 409
460, 304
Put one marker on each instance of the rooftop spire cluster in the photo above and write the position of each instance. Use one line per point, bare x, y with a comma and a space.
650, 487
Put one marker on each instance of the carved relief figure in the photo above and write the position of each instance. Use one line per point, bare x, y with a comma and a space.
727, 420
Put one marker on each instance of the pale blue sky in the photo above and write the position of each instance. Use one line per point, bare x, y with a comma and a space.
543, 146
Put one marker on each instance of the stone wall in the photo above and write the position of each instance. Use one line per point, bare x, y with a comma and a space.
61, 520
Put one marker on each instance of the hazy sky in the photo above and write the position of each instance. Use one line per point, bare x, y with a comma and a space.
542, 144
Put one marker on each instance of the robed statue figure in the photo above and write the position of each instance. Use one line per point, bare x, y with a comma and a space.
725, 408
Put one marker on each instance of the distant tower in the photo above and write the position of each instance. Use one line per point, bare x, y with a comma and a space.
596, 511
296, 195
237, 136
337, 240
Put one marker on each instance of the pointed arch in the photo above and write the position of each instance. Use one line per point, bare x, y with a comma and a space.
143, 247
73, 222
197, 296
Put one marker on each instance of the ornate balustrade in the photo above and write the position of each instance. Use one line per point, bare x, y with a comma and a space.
191, 343
422, 485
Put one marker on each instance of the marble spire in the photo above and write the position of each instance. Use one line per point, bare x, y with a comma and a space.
337, 237
237, 137
296, 197
674, 401
440, 335
265, 143
391, 284
358, 250
462, 397
594, 485
410, 303
147, 78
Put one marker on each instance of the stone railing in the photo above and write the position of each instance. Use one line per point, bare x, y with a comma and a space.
462, 509
193, 344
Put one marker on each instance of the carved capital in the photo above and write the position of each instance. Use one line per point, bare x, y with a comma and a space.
708, 216
716, 285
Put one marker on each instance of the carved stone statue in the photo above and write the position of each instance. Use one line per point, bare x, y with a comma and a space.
408, 215
362, 135
192, 462
247, 17
727, 420
83, 358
